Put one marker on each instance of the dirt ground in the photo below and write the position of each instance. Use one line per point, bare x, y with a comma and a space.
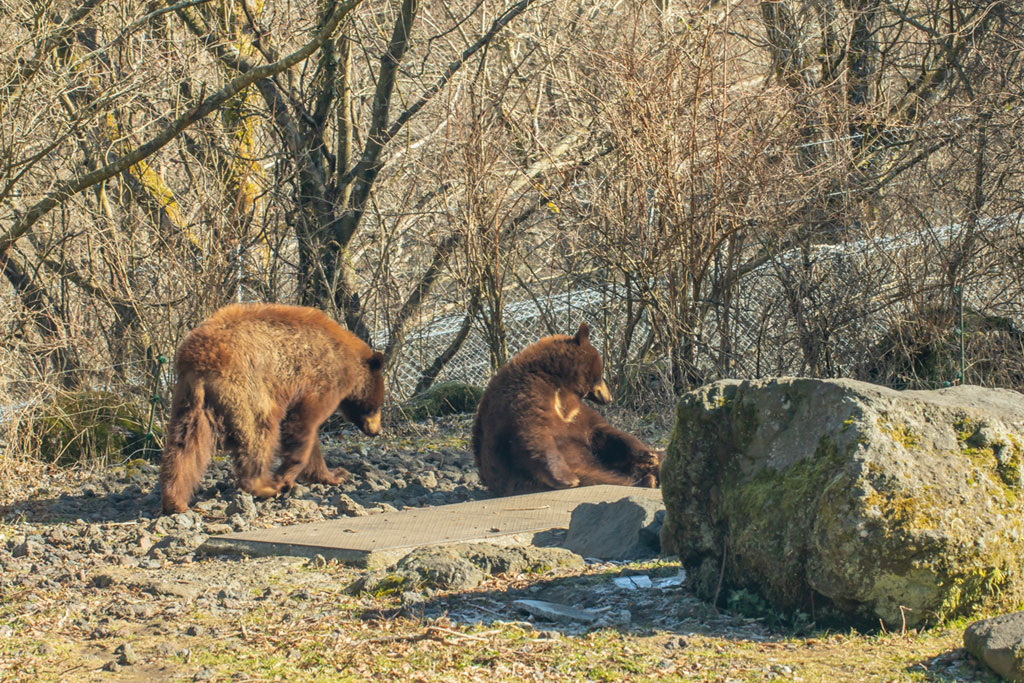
95, 585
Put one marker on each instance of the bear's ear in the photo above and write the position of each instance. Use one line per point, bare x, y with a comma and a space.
376, 361
582, 334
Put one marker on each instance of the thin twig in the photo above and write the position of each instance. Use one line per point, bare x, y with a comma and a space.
721, 572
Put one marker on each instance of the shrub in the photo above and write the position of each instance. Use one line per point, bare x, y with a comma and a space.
444, 398
91, 426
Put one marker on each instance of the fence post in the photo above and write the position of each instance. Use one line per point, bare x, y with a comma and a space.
959, 291
154, 398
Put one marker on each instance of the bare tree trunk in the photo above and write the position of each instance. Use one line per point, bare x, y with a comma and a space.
430, 374
41, 308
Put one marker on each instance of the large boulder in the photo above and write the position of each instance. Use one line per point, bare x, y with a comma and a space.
849, 497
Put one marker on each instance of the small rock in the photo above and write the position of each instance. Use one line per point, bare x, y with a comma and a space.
56, 536
996, 642
413, 604
142, 611
143, 543
128, 656
178, 590
624, 530
101, 547
232, 590
676, 643
242, 505
442, 567
348, 507
238, 522
614, 617
553, 611
303, 506
270, 594
183, 520
427, 480
29, 548
112, 666
103, 580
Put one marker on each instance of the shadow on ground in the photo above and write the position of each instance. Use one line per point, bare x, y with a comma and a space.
953, 666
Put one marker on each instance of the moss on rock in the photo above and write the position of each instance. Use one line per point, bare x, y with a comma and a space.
879, 504
444, 398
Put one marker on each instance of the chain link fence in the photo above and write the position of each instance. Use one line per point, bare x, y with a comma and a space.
858, 291
856, 282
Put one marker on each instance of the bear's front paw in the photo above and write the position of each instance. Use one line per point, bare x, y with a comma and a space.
336, 477
647, 469
264, 487
650, 458
646, 481
567, 482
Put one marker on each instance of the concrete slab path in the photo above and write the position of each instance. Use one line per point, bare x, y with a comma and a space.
378, 540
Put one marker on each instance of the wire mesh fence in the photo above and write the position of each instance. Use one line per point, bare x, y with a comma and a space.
754, 334
860, 283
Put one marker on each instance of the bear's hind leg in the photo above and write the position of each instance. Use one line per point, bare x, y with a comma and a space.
254, 440
547, 465
593, 476
190, 441
623, 453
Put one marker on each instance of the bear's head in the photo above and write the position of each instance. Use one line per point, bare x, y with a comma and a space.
571, 362
362, 408
589, 368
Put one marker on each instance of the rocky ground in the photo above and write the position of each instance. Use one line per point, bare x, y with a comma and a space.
95, 584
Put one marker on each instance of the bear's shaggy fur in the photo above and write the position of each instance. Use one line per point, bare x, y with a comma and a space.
265, 377
533, 432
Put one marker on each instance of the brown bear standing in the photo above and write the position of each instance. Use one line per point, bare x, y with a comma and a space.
533, 432
265, 376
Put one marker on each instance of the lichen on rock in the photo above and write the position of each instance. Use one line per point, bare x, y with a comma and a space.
873, 503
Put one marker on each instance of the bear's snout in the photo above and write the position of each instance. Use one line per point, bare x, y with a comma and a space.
600, 394
371, 424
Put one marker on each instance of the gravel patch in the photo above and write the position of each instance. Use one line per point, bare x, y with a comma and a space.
60, 533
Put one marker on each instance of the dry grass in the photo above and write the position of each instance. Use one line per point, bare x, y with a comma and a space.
63, 633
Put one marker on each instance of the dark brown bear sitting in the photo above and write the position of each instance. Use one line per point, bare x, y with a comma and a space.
533, 432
